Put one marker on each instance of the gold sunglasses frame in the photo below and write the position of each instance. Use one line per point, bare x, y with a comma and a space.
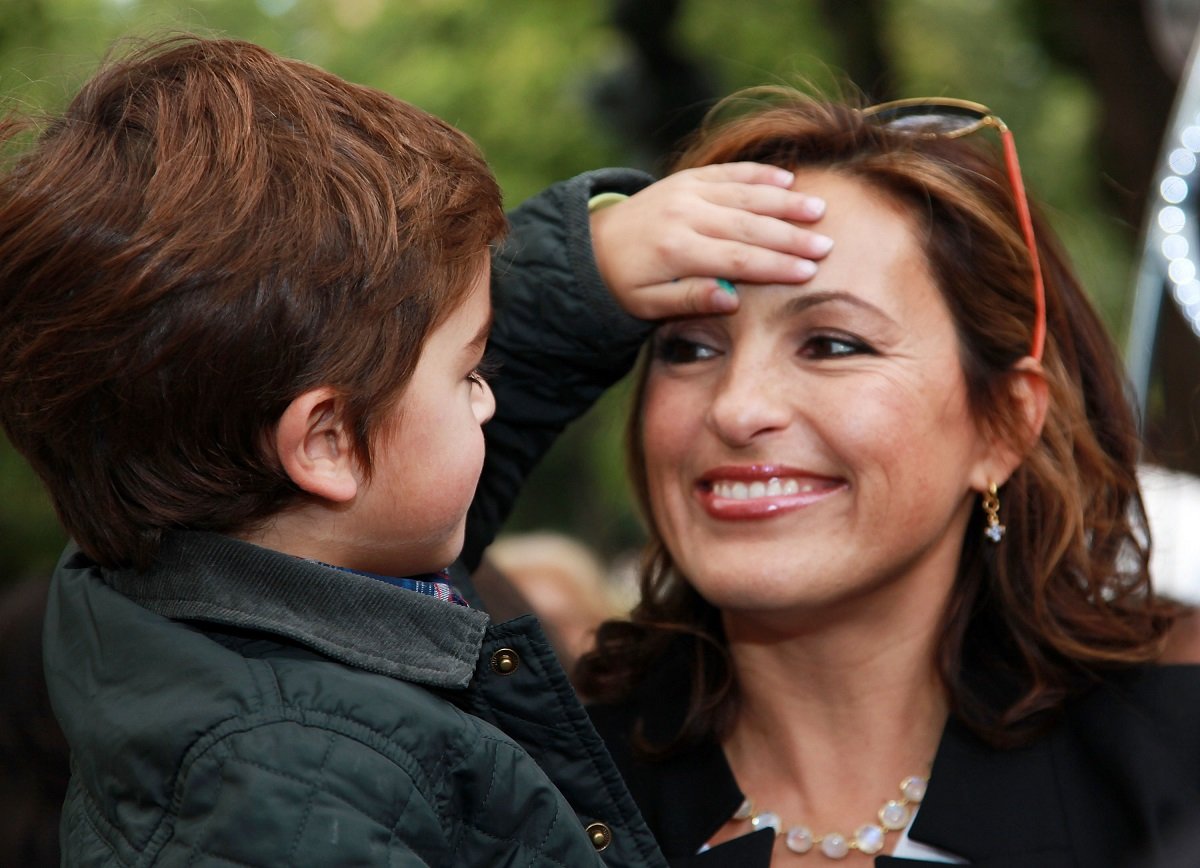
983, 117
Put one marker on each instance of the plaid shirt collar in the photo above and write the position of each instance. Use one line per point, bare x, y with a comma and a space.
435, 585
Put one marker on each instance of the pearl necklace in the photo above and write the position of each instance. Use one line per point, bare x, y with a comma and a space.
868, 838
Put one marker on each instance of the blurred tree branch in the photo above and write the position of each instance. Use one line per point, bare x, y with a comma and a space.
661, 94
865, 56
1109, 43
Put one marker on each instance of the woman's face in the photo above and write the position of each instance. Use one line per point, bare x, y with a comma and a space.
815, 449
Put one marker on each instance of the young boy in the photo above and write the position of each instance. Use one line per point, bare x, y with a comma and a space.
243, 306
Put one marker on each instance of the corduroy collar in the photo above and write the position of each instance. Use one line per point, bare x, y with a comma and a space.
354, 619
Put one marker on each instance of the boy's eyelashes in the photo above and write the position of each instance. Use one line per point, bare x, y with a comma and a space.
487, 368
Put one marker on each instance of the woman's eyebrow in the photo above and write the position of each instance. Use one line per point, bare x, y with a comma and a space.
805, 300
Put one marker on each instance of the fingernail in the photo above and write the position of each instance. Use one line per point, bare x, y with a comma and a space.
784, 178
805, 269
724, 301
814, 207
727, 286
820, 245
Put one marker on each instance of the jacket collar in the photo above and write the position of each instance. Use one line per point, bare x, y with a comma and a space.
354, 619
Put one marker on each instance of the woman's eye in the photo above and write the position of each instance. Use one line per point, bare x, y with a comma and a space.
833, 346
675, 350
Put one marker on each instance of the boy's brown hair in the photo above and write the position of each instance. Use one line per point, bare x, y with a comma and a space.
208, 231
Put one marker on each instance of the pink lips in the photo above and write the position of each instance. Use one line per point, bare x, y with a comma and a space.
761, 491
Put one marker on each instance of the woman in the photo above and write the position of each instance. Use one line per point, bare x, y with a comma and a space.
897, 538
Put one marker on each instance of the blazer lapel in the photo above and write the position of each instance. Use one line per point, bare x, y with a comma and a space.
993, 807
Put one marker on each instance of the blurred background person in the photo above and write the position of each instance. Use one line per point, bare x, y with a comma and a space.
566, 586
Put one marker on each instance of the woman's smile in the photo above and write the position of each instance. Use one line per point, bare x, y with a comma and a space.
759, 491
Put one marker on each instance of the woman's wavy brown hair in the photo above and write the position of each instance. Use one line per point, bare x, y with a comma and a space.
1067, 594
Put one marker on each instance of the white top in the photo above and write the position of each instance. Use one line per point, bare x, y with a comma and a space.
1173, 510
907, 848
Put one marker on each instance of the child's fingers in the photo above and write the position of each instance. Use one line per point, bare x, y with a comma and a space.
751, 187
727, 224
743, 172
738, 221
737, 261
693, 296
762, 199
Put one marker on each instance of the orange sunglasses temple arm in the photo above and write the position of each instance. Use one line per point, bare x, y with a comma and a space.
1039, 288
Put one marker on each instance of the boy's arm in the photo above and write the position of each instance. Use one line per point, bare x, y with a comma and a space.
566, 282
560, 339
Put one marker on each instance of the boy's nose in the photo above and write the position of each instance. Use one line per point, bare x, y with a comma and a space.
484, 403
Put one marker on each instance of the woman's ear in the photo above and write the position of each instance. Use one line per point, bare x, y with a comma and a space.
314, 447
1029, 397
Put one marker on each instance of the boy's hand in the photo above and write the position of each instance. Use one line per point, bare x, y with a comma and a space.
674, 248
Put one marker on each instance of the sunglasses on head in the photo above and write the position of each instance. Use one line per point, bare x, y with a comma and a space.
952, 119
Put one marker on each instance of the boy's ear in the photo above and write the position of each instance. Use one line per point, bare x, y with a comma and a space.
314, 447
1029, 394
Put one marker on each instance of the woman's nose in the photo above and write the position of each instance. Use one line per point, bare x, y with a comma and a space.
750, 400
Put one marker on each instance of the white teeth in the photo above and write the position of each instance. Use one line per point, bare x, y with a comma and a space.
773, 487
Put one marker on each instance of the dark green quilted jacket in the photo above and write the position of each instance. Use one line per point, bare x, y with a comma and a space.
238, 707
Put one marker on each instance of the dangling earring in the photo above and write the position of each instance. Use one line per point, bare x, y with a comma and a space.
991, 507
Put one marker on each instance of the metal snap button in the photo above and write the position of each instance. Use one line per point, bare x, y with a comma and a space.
505, 661
600, 835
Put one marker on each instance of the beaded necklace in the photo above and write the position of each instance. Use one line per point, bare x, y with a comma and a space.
868, 838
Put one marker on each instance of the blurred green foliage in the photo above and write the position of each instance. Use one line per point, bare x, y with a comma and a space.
517, 77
